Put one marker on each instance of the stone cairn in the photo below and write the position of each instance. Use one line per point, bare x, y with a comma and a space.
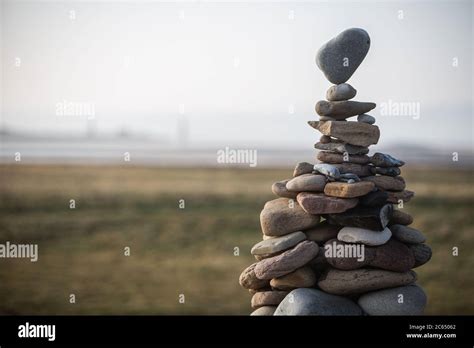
333, 243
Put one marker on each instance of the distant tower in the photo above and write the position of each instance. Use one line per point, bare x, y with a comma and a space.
182, 131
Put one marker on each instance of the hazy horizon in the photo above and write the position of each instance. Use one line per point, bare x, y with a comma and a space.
237, 74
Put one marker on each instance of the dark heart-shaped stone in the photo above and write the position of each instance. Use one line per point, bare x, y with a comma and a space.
339, 58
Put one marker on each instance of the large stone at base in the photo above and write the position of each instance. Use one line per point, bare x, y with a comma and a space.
287, 261
354, 133
363, 280
306, 301
387, 301
314, 203
282, 216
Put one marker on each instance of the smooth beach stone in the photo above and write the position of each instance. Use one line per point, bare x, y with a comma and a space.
327, 169
325, 139
264, 311
337, 158
387, 301
362, 280
396, 197
342, 148
347, 256
282, 216
339, 58
374, 198
304, 301
267, 298
364, 236
421, 252
354, 133
387, 183
393, 256
343, 91
307, 182
353, 168
303, 168
372, 218
390, 171
287, 262
277, 244
407, 234
340, 110
279, 188
249, 280
327, 118
366, 119
303, 277
322, 232
384, 160
400, 218
345, 190
314, 203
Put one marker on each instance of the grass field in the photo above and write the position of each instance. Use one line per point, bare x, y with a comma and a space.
186, 251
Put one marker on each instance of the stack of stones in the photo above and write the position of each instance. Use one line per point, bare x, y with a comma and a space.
333, 242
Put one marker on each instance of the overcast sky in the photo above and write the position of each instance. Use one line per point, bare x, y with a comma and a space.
239, 73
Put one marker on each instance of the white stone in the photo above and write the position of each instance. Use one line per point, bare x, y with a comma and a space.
364, 236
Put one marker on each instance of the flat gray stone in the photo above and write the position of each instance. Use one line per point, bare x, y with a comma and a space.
339, 58
341, 110
342, 148
337, 158
354, 133
364, 236
404, 300
305, 301
343, 91
277, 244
407, 234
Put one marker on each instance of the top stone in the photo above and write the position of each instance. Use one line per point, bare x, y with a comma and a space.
339, 58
